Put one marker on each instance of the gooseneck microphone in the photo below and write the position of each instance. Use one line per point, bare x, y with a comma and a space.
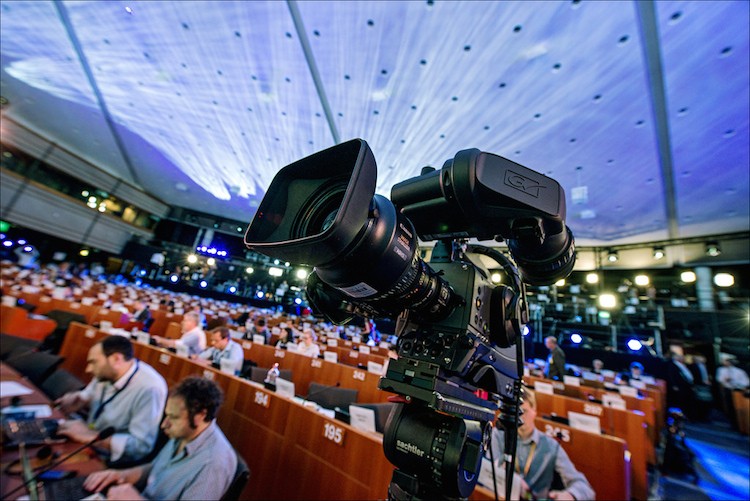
102, 435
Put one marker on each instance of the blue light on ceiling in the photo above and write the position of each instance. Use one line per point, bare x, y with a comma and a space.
576, 338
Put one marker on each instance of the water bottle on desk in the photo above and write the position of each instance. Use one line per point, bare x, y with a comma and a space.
273, 374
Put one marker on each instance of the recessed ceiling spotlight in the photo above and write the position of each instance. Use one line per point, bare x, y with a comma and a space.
713, 249
658, 252
612, 256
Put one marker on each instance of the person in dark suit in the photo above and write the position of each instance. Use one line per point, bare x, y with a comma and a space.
555, 361
701, 387
680, 380
141, 313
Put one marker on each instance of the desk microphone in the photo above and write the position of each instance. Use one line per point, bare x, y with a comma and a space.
104, 434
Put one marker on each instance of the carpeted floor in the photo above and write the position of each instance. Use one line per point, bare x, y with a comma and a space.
722, 462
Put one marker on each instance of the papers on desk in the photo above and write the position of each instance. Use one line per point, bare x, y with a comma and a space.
545, 388
375, 368
613, 400
584, 422
284, 388
571, 381
637, 384
330, 356
13, 389
39, 411
362, 418
628, 391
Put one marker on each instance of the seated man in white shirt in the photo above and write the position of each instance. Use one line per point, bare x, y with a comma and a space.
307, 346
222, 346
192, 335
125, 393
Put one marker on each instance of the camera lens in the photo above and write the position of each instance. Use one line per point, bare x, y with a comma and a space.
383, 268
318, 213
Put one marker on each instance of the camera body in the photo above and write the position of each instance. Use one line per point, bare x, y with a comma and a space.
456, 329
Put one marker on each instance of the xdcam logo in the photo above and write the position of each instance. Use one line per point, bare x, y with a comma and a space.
522, 183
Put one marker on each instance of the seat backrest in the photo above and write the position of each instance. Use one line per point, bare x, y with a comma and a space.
59, 383
9, 344
241, 476
331, 397
35, 365
63, 318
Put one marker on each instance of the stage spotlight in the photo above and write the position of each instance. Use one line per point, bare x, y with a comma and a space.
84, 252
658, 253
275, 272
143, 273
687, 277
28, 248
607, 301
22, 242
297, 301
641, 280
634, 345
592, 278
203, 284
713, 249
612, 256
526, 330
192, 259
302, 274
174, 279
576, 338
496, 277
259, 295
560, 282
232, 289
7, 243
723, 280
249, 270
210, 261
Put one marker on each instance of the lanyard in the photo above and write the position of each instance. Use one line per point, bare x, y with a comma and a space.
100, 409
528, 461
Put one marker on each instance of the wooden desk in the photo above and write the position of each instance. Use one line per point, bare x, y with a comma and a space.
83, 463
742, 410
628, 425
279, 439
647, 405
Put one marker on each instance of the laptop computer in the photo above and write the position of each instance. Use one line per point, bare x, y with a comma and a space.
71, 488
30, 431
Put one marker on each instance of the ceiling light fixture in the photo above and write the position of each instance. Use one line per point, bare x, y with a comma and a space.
713, 249
658, 252
687, 277
612, 256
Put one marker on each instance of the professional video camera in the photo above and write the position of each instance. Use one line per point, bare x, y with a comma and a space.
456, 329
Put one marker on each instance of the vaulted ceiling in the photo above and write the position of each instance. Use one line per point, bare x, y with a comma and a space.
638, 109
